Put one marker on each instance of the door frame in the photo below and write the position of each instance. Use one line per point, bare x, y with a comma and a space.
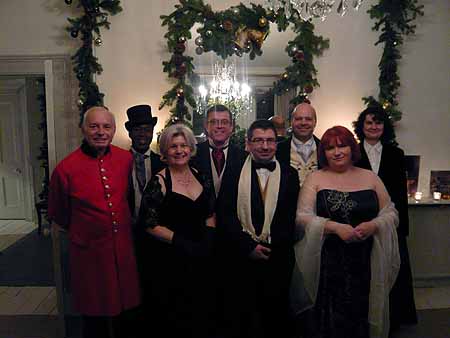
62, 131
14, 89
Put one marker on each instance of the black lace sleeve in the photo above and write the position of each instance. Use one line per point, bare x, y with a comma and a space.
207, 185
152, 199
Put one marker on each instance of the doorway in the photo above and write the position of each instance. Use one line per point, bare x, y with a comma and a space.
21, 189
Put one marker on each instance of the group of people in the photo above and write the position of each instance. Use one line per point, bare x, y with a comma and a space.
291, 237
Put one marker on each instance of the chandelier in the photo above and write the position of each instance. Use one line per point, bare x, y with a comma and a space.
225, 89
307, 9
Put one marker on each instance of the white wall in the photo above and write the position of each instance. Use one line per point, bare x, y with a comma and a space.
134, 48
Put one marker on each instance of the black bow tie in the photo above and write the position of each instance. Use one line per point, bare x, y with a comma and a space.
269, 165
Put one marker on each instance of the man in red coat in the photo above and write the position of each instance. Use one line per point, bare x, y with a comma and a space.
88, 198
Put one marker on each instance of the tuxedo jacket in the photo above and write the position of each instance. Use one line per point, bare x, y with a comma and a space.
234, 160
392, 172
156, 166
282, 228
283, 154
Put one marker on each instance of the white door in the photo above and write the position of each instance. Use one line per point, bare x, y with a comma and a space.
12, 157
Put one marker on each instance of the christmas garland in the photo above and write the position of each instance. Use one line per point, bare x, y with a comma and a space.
43, 154
394, 19
87, 28
237, 30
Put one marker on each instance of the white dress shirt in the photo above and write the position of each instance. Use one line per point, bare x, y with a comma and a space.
374, 155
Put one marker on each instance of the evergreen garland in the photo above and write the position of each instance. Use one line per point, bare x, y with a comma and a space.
394, 19
43, 155
87, 28
237, 30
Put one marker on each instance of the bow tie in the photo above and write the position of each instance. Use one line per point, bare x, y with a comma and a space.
269, 165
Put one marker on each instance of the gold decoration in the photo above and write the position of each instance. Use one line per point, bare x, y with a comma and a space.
262, 22
245, 35
386, 105
284, 76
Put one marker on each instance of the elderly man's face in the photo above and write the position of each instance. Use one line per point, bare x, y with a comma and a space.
303, 122
99, 128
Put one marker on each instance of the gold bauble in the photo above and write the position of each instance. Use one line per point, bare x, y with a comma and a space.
262, 22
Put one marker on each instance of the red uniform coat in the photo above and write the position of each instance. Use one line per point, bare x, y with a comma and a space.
88, 196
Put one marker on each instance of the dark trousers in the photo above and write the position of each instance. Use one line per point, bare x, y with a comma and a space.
124, 325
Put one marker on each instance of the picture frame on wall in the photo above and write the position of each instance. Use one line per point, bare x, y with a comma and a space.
440, 182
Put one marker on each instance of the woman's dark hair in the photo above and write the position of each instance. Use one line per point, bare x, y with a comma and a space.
379, 115
338, 135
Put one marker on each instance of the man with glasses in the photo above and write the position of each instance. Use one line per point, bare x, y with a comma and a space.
257, 220
300, 150
216, 157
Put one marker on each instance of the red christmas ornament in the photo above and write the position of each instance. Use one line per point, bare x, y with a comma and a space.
309, 89
300, 56
180, 47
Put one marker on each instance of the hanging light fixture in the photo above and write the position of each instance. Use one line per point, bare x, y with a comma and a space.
307, 9
225, 89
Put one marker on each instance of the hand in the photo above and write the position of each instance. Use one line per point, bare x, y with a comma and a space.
260, 253
365, 229
346, 233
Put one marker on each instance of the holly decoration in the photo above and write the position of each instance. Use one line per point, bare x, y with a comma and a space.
234, 31
87, 27
395, 20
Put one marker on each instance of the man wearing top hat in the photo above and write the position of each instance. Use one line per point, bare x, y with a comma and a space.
140, 126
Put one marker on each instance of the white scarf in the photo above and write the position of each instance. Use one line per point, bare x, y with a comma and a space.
244, 200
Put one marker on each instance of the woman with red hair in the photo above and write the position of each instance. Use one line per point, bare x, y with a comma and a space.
347, 256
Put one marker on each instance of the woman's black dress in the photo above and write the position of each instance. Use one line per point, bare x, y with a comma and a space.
177, 286
342, 304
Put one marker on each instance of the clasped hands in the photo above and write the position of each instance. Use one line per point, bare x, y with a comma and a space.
357, 234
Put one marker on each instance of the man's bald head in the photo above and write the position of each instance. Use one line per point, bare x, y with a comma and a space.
303, 121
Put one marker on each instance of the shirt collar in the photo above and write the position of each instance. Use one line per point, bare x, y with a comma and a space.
147, 153
377, 147
212, 145
310, 142
90, 151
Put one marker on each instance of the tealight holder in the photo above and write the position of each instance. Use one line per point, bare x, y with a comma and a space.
418, 196
437, 195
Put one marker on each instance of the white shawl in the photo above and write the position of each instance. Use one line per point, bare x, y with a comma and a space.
244, 210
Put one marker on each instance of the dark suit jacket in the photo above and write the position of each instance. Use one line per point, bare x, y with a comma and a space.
392, 172
234, 161
157, 165
284, 150
283, 223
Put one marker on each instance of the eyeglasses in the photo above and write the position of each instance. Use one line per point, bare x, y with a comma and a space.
224, 123
261, 141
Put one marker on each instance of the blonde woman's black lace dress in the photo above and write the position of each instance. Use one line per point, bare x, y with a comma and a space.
177, 285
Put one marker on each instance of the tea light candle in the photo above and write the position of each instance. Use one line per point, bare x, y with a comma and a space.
418, 196
437, 195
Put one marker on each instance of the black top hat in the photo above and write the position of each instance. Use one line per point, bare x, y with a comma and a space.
140, 114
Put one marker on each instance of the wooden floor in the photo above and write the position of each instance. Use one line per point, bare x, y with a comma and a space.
13, 230
28, 300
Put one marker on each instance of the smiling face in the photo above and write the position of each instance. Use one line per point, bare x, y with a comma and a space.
339, 155
303, 121
262, 145
141, 137
372, 129
178, 152
98, 128
219, 127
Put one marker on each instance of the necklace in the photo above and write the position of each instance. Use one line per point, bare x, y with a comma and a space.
184, 180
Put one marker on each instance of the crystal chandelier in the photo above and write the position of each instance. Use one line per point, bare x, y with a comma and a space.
225, 89
307, 9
